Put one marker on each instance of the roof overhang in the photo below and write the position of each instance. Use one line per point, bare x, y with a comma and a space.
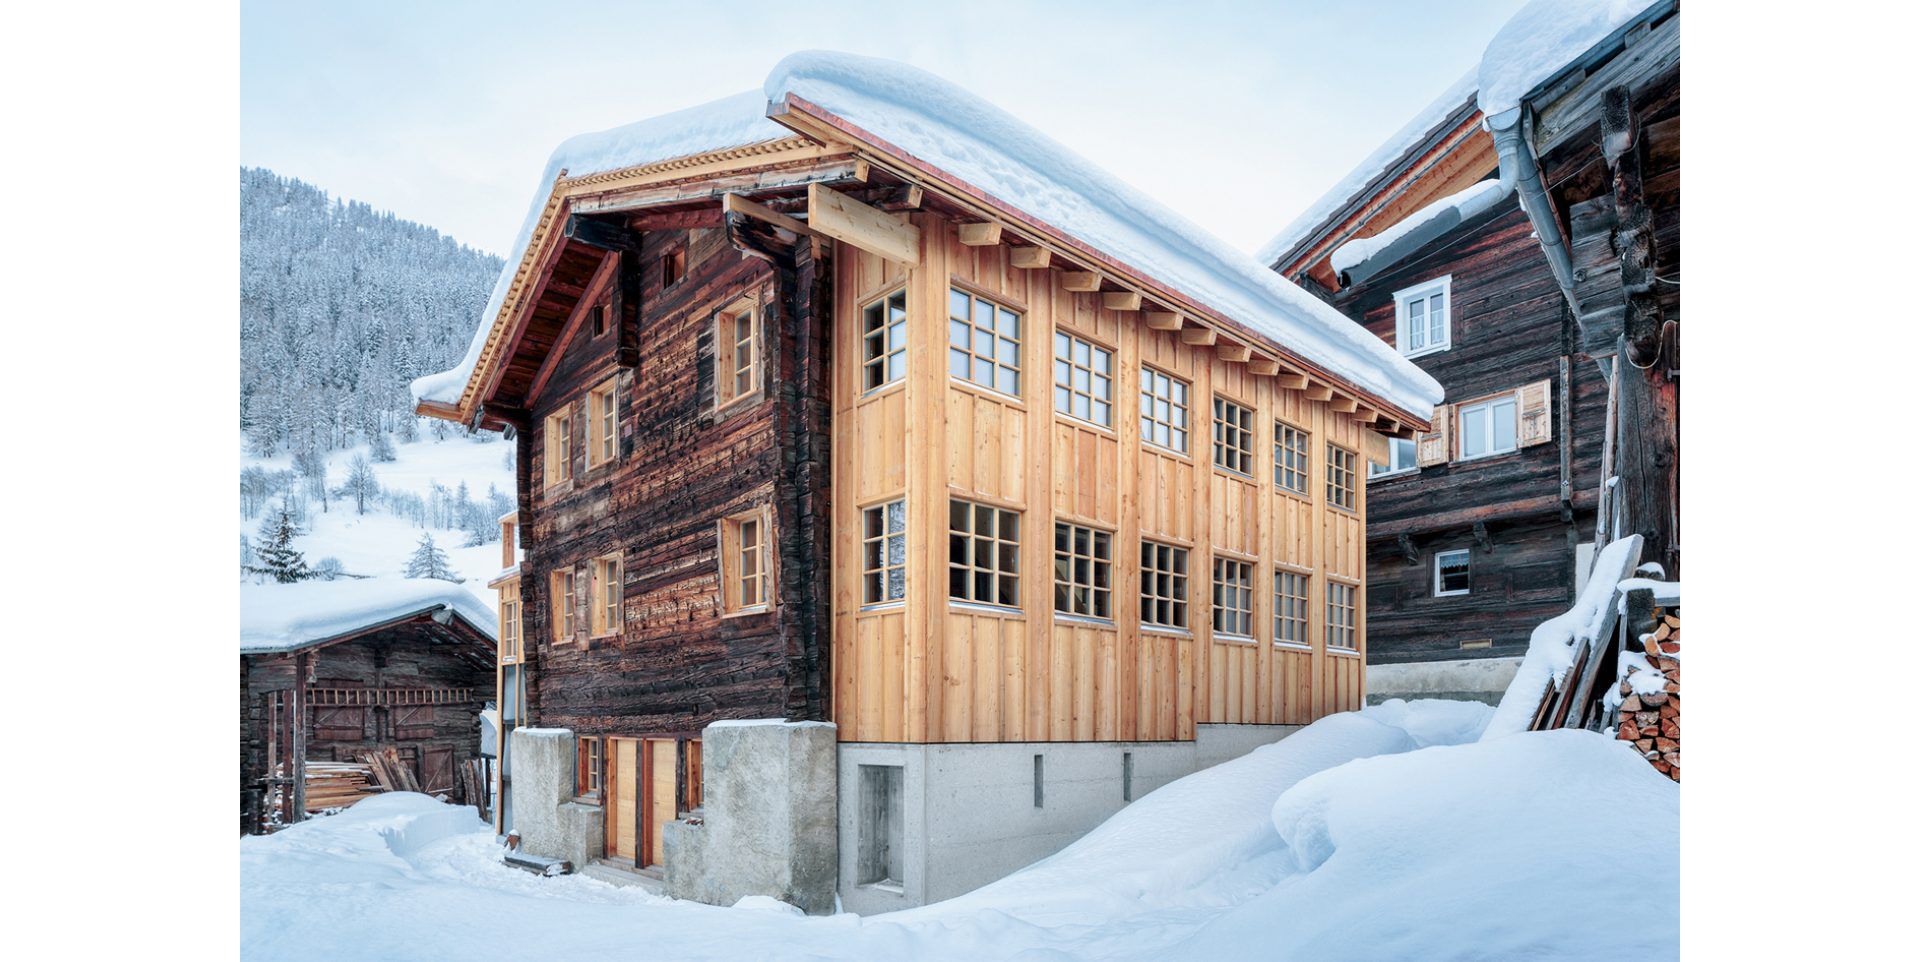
444, 615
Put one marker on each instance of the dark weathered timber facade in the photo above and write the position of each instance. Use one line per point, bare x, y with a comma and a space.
677, 664
417, 687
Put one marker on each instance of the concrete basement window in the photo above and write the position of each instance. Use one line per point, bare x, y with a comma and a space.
882, 827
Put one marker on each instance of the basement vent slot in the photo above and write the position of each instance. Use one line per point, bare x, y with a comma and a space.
882, 826
1126, 776
1039, 781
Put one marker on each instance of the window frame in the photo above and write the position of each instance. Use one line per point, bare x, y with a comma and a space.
880, 336
1222, 425
1303, 452
1439, 581
998, 306
1072, 368
1486, 404
1069, 590
1349, 625
1301, 618
726, 352
999, 577
605, 595
875, 566
563, 607
597, 320
733, 566
1242, 587
603, 427
1342, 477
1149, 413
590, 778
673, 267
1178, 597
1423, 294
557, 447
1393, 470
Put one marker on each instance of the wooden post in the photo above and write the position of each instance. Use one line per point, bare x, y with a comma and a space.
297, 763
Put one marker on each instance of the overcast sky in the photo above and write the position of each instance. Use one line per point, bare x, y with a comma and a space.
1237, 114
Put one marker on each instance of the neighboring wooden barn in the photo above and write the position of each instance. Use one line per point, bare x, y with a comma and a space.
331, 671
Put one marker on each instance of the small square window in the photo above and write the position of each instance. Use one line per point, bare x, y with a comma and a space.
1452, 573
1400, 459
1489, 427
1423, 317
597, 319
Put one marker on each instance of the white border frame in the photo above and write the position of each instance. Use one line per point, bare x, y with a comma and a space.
1439, 285
1437, 592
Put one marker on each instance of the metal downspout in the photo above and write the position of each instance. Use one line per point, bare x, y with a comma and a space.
1518, 163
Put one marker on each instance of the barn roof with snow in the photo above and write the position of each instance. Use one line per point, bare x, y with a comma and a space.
928, 130
280, 618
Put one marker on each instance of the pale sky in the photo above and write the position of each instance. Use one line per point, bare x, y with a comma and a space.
1237, 114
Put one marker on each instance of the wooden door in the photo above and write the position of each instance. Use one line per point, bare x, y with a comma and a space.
663, 763
623, 799
436, 771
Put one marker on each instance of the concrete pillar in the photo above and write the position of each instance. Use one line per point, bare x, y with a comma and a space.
768, 823
551, 824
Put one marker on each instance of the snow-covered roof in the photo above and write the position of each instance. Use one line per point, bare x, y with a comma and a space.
734, 121
288, 617
1423, 125
1545, 38
1439, 216
926, 119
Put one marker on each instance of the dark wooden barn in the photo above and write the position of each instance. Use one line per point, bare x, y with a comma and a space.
330, 671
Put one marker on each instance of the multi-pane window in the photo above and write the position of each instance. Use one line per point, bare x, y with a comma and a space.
1082, 379
1082, 570
564, 607
983, 342
1400, 457
510, 621
1290, 607
592, 766
603, 424
1163, 585
983, 554
1423, 320
883, 550
1289, 457
1232, 436
884, 339
1452, 573
1341, 623
559, 446
606, 595
1232, 597
1163, 410
736, 352
746, 558
1488, 427
1340, 476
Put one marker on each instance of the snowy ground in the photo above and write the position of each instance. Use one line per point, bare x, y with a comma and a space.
1385, 834
378, 543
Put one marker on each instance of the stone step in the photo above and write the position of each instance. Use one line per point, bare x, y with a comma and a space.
614, 873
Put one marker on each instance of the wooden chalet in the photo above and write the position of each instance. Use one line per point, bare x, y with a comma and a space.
817, 421
1486, 525
332, 671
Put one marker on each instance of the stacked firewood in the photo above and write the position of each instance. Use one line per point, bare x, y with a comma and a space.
337, 784
392, 773
1650, 720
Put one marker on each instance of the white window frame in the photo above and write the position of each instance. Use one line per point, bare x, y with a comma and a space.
1423, 293
1396, 465
1438, 557
1483, 408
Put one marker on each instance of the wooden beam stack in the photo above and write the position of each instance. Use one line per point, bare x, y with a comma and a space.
392, 774
332, 785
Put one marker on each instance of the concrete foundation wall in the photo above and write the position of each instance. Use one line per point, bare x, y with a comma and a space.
550, 823
767, 823
1472, 679
971, 812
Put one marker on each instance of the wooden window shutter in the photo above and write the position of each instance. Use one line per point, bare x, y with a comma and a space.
1536, 413
1436, 446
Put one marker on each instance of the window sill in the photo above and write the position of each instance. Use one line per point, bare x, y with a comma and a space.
747, 612
1423, 352
875, 393
1475, 459
992, 394
1300, 496
1168, 630
1453, 594
558, 488
734, 405
1075, 420
1344, 652
879, 606
979, 608
1160, 449
1293, 646
1222, 469
1229, 638
1390, 475
1091, 621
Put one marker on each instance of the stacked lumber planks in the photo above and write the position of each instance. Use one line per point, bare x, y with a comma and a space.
337, 784
389, 771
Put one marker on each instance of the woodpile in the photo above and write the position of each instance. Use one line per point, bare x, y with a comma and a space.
337, 784
1650, 720
390, 772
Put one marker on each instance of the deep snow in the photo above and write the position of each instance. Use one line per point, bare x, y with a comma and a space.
1376, 834
277, 617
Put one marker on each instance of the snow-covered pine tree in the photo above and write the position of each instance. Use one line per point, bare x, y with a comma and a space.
429, 561
276, 557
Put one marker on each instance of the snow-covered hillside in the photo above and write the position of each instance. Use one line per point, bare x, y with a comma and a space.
380, 541
1390, 833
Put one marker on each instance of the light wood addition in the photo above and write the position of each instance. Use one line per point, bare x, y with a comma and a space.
746, 562
982, 234
603, 423
737, 353
607, 590
557, 462
939, 665
847, 220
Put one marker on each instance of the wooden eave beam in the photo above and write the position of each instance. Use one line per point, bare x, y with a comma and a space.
1083, 282
833, 214
1263, 366
1163, 320
1366, 415
1318, 392
1032, 258
980, 234
1291, 380
1120, 300
1199, 335
739, 204
1345, 405
1234, 351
